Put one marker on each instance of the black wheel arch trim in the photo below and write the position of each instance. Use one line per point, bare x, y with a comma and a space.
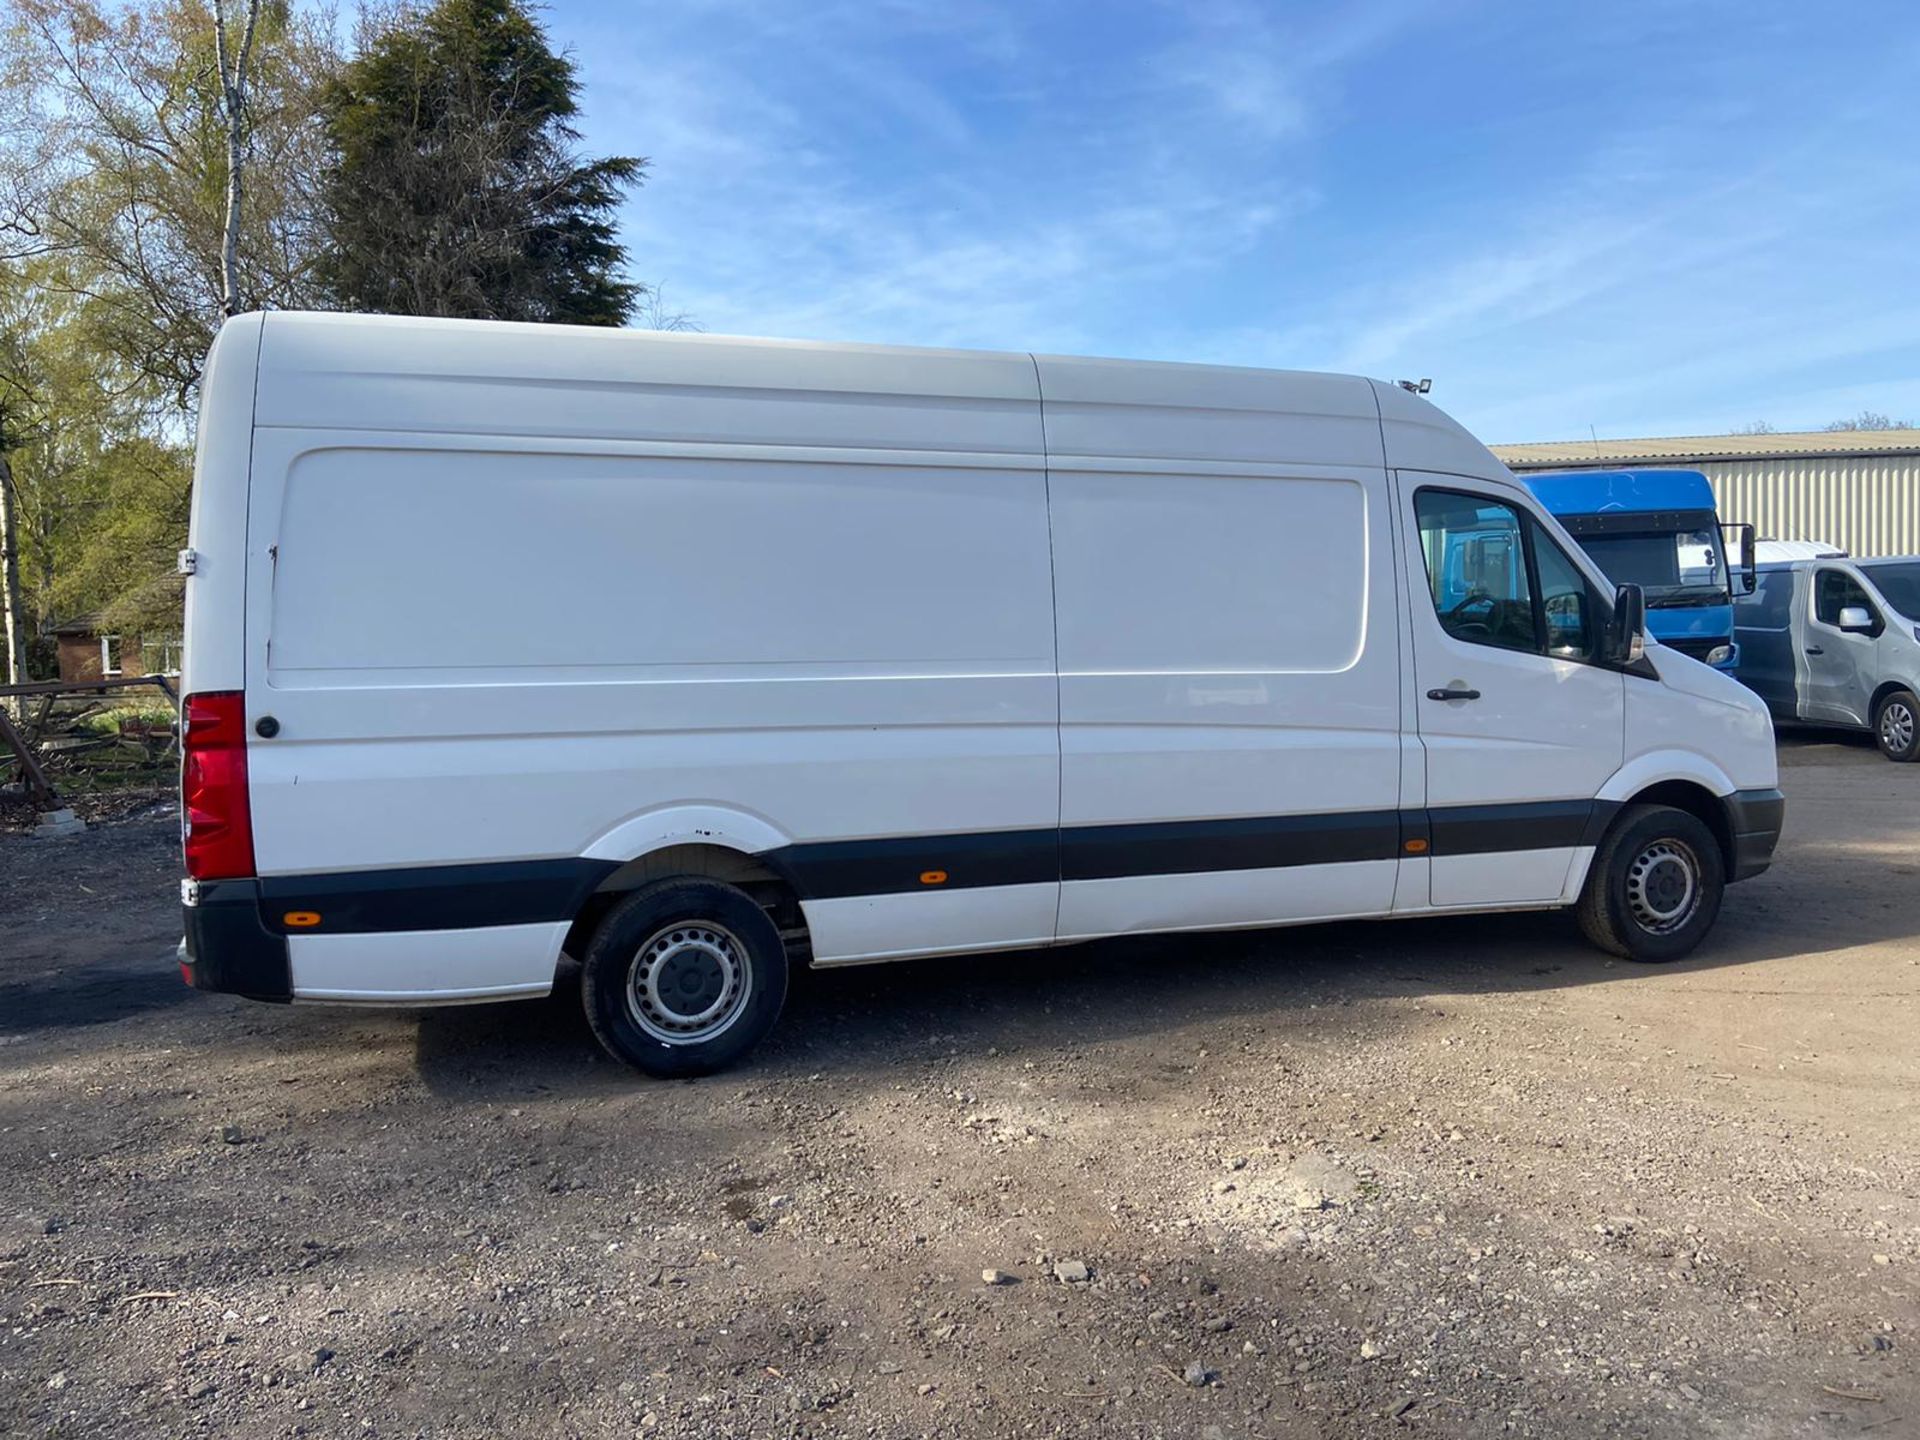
1755, 819
433, 897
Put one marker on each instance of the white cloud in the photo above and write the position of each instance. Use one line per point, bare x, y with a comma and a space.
1190, 186
819, 178
1270, 73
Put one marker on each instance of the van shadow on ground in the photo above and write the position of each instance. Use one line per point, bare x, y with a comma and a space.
1841, 880
878, 1017
66, 999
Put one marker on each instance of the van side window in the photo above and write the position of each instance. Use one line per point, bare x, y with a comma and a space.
1834, 591
1565, 599
1476, 558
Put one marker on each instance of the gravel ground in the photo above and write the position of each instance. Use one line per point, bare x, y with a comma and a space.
1445, 1178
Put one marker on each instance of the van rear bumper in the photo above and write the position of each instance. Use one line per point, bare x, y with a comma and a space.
228, 949
1754, 818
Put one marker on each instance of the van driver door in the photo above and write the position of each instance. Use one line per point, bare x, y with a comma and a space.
1520, 724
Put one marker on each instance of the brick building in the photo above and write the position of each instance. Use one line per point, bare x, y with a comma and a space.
89, 652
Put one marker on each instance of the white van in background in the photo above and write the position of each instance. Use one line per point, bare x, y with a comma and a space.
1780, 552
688, 656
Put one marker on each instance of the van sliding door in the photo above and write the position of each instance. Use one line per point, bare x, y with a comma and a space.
1229, 667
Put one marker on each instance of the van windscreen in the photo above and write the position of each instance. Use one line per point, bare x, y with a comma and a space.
1668, 564
1899, 582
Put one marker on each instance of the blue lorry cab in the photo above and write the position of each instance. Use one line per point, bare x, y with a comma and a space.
1657, 529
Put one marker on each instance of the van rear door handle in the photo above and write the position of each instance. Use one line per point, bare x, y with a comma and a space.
1815, 650
1453, 694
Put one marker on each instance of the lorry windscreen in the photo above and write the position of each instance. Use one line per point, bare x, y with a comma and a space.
1673, 567
1899, 582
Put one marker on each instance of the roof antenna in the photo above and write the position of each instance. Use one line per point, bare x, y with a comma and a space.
1415, 387
1595, 437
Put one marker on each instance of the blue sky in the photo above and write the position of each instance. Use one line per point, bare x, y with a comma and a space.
1648, 218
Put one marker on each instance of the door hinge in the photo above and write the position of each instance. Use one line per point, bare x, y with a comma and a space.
189, 562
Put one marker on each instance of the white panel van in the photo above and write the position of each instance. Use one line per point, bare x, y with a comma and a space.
694, 657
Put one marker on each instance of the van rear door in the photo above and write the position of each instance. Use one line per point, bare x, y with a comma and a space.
1519, 726
213, 657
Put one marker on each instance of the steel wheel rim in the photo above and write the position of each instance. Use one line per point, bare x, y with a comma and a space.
689, 982
1663, 886
1896, 726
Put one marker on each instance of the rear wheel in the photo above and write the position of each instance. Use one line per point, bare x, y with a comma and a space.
1896, 726
683, 977
1654, 888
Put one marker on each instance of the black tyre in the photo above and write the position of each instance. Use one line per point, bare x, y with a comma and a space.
1655, 886
1896, 726
683, 977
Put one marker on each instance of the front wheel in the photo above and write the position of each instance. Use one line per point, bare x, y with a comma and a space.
683, 977
1655, 886
1896, 726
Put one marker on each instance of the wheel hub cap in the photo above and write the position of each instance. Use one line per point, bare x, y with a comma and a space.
688, 983
1896, 726
1663, 886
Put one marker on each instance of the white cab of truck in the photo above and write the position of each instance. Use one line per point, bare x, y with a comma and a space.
692, 658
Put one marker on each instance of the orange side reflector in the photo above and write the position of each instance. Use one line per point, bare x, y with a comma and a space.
1416, 847
933, 877
301, 919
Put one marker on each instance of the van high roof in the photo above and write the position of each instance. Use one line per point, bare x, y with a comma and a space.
413, 375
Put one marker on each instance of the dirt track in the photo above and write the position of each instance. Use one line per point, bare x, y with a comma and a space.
1443, 1178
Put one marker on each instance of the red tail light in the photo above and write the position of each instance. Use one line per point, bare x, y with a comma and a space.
218, 829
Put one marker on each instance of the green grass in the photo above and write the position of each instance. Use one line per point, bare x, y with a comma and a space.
107, 722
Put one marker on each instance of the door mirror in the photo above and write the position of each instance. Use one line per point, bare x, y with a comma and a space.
1567, 630
1856, 620
1626, 633
1742, 558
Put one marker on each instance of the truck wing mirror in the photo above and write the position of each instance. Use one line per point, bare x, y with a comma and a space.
1626, 637
1856, 619
1746, 574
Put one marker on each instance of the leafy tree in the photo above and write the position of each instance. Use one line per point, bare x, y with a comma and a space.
456, 185
233, 57
120, 126
98, 466
159, 170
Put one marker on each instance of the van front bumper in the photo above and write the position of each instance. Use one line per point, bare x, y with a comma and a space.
227, 948
1754, 819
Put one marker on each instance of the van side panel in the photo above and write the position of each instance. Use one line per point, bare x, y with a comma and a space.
495, 651
1229, 655
487, 567
1770, 658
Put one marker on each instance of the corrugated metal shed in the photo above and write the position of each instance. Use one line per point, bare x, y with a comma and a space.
1858, 489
